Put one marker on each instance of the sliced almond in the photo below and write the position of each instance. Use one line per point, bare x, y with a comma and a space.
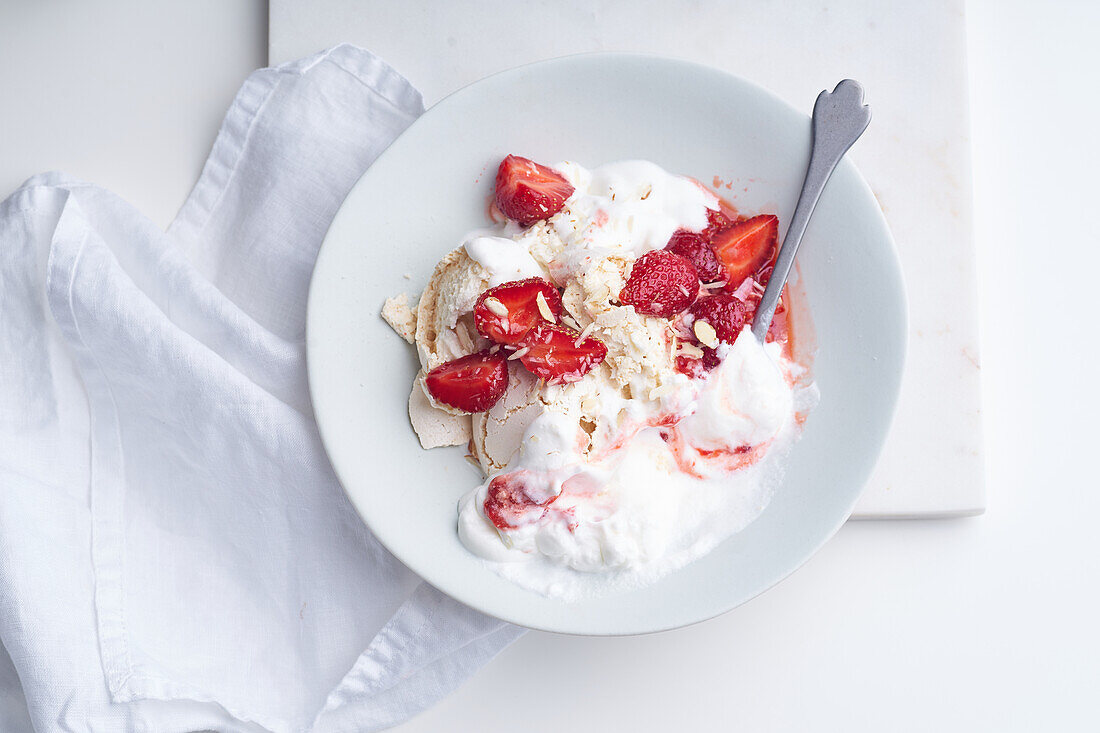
518, 353
568, 320
706, 334
583, 335
544, 307
464, 339
690, 350
496, 307
712, 286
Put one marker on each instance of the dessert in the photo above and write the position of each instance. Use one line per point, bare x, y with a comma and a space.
592, 349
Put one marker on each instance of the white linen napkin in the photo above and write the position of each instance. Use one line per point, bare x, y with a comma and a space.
175, 552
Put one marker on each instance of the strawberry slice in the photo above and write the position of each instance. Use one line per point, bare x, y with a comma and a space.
528, 192
470, 383
695, 248
661, 284
559, 354
506, 313
745, 246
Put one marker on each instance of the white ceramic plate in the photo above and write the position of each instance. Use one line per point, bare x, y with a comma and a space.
431, 186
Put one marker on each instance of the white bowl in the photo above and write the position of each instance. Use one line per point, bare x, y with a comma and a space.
431, 186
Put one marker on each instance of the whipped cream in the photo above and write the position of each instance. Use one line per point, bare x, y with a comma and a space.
621, 209
747, 399
636, 512
503, 259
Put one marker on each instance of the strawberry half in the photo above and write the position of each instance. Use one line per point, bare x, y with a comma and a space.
559, 355
528, 192
506, 313
695, 248
745, 246
661, 283
471, 383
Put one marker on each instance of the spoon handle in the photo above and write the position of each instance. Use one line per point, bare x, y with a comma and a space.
840, 117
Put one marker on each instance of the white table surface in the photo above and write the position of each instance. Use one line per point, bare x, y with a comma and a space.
978, 624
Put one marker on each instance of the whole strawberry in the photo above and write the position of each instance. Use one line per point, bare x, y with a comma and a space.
661, 284
724, 313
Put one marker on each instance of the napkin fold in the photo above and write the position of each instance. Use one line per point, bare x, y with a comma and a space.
175, 551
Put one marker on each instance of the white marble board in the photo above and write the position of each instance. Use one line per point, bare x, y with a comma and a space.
911, 57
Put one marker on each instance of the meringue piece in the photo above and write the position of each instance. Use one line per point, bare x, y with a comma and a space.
401, 317
435, 427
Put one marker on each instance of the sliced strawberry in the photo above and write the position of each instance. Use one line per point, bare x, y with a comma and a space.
506, 313
695, 248
471, 383
559, 355
745, 246
528, 192
507, 503
725, 313
661, 283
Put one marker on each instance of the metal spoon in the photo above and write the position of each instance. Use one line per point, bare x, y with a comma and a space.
840, 117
